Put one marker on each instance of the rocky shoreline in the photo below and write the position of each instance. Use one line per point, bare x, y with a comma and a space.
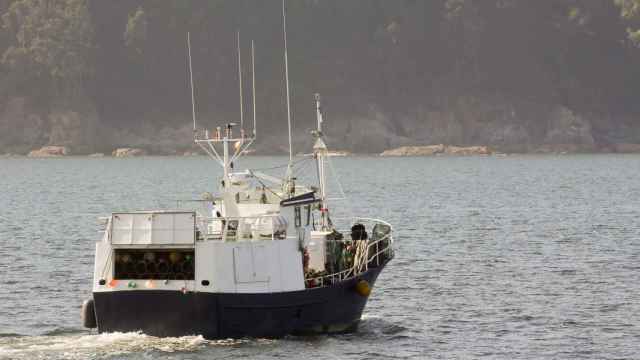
439, 149
61, 151
50, 151
53, 151
471, 126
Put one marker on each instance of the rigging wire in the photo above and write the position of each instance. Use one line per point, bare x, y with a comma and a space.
302, 173
303, 165
281, 166
264, 186
349, 208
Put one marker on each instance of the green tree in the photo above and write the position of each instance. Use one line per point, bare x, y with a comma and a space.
51, 44
630, 10
135, 33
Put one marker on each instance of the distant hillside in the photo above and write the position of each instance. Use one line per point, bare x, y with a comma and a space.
517, 75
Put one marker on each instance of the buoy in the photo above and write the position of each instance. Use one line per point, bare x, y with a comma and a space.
88, 314
149, 257
363, 288
174, 257
163, 267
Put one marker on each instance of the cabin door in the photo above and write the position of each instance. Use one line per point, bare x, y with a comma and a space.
250, 263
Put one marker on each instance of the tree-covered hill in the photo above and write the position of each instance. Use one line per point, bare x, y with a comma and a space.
519, 75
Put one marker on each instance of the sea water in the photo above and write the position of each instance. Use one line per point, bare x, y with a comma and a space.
526, 257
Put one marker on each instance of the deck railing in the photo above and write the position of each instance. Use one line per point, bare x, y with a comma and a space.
246, 228
373, 252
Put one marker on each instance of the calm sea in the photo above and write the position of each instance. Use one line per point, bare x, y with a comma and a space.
518, 257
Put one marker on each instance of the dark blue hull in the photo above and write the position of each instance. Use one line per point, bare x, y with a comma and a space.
330, 309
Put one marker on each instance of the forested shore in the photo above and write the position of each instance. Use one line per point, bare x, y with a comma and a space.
514, 75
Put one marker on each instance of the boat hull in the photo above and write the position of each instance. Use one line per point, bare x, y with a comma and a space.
330, 309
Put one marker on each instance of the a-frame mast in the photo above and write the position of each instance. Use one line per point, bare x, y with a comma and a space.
320, 153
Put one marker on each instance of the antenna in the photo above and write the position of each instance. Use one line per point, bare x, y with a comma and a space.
240, 82
286, 74
193, 101
253, 85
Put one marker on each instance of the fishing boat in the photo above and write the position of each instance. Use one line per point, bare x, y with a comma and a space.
263, 257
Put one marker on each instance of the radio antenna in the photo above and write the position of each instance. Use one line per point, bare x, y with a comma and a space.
193, 101
253, 85
240, 82
286, 74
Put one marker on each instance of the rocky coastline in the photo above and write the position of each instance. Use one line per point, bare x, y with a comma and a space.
50, 151
53, 151
439, 149
471, 126
128, 152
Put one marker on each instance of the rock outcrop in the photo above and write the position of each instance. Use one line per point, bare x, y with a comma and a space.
77, 129
415, 150
627, 148
128, 152
25, 125
438, 149
21, 128
567, 132
467, 150
49, 151
502, 125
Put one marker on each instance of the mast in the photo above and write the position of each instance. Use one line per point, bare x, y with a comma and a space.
225, 156
225, 137
320, 153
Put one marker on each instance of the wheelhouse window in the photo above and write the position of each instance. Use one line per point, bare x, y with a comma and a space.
297, 216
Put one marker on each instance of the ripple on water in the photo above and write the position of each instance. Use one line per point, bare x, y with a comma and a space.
523, 257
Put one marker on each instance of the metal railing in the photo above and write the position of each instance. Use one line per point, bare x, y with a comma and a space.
373, 254
245, 228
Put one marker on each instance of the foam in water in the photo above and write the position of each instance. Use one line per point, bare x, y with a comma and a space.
88, 346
